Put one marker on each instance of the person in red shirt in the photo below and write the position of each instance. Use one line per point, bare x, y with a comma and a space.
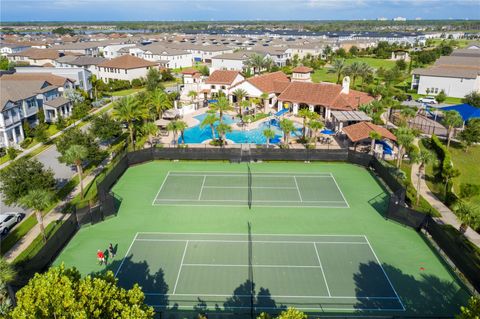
101, 257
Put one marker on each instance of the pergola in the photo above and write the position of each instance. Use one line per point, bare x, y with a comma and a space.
346, 118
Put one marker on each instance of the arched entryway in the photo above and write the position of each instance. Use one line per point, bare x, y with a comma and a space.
319, 109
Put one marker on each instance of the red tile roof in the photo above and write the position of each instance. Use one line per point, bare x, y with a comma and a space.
222, 77
361, 131
40, 76
329, 95
302, 69
266, 82
126, 62
190, 71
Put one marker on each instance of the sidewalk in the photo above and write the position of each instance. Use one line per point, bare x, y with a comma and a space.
54, 215
448, 217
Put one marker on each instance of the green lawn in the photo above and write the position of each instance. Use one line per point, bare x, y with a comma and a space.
468, 164
126, 92
322, 75
449, 100
424, 283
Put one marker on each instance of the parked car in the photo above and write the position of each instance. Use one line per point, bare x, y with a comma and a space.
428, 100
8, 220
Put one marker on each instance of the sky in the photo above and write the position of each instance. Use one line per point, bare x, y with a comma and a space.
215, 10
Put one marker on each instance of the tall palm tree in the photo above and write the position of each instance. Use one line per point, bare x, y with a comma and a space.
338, 67
354, 70
210, 120
366, 71
76, 154
264, 97
408, 113
287, 127
256, 62
243, 105
181, 127
172, 127
222, 130
240, 94
256, 102
128, 110
374, 135
451, 119
268, 64
192, 95
269, 134
314, 127
423, 158
149, 129
221, 106
304, 114
159, 102
405, 138
38, 200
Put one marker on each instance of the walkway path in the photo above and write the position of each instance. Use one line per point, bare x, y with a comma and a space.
448, 217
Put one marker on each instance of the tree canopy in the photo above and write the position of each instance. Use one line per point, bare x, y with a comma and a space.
22, 176
62, 293
75, 136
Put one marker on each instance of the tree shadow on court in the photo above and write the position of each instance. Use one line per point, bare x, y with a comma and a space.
132, 273
380, 203
242, 301
423, 294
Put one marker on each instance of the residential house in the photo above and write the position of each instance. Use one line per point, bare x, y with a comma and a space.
37, 57
81, 48
113, 50
12, 48
231, 61
221, 81
125, 67
163, 56
457, 75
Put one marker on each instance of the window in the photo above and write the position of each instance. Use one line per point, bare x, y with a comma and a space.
223, 87
212, 87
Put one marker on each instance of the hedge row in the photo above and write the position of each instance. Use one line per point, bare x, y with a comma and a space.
445, 164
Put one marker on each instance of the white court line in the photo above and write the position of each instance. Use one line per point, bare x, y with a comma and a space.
271, 296
126, 254
246, 265
201, 189
321, 267
243, 174
242, 234
266, 187
298, 189
298, 308
180, 268
246, 241
255, 201
386, 276
341, 193
160, 189
243, 205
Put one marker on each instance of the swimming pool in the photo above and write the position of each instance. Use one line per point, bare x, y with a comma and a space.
197, 134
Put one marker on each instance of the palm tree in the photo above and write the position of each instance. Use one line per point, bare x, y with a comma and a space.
287, 127
268, 64
256, 102
451, 120
269, 134
128, 110
38, 200
366, 72
182, 126
338, 67
304, 114
447, 174
243, 105
408, 113
222, 130
76, 154
172, 126
7, 275
256, 62
240, 94
314, 127
468, 214
264, 97
222, 105
423, 158
192, 95
210, 120
354, 70
149, 129
374, 135
159, 101
405, 138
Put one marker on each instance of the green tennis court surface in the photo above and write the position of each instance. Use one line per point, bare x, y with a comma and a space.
258, 189
304, 271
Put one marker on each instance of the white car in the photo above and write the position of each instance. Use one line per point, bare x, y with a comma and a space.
8, 220
428, 100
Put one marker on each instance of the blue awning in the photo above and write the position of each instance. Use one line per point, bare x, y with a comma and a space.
281, 112
466, 111
327, 132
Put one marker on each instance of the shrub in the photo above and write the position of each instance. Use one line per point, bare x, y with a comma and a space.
2, 151
469, 190
12, 153
41, 134
136, 83
26, 142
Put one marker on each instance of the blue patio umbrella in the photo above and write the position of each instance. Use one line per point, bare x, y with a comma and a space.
327, 132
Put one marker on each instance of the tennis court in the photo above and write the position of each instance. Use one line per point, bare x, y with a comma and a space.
252, 189
309, 272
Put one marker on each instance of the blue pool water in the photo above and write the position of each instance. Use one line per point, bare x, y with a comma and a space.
197, 134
